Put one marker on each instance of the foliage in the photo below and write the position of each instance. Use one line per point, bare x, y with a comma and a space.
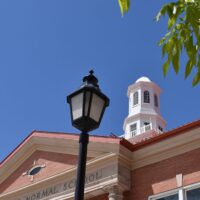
124, 6
183, 36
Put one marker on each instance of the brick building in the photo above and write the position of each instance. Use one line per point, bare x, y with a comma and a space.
146, 163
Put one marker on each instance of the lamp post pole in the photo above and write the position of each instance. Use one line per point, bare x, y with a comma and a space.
87, 107
80, 182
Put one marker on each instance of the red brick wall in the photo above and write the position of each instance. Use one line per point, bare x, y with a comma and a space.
145, 181
161, 176
55, 163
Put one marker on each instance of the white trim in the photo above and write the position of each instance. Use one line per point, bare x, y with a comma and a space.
192, 186
181, 194
182, 191
170, 147
163, 194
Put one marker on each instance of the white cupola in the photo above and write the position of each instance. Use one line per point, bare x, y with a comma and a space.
144, 109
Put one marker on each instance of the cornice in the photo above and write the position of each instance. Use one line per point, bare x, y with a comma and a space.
129, 119
166, 135
51, 144
138, 85
170, 147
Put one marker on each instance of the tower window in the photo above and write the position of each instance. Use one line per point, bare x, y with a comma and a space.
135, 98
133, 129
146, 97
155, 100
146, 123
147, 126
160, 128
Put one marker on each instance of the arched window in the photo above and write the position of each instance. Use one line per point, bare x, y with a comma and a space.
146, 97
135, 98
155, 100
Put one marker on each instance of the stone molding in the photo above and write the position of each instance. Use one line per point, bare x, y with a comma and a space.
165, 149
66, 146
115, 192
101, 172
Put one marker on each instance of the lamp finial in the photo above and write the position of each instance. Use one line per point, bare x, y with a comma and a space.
90, 80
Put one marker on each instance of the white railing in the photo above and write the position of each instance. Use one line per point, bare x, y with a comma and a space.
143, 129
133, 133
146, 128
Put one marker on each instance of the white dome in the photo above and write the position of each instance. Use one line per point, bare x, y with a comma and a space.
143, 79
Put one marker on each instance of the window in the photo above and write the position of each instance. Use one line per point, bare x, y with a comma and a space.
191, 192
135, 98
146, 97
147, 126
171, 197
166, 196
34, 170
133, 127
155, 100
160, 128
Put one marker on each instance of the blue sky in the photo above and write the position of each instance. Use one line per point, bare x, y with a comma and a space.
47, 46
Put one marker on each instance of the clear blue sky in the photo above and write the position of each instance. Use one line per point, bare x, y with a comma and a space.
47, 46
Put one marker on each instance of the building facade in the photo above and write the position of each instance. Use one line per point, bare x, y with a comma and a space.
146, 163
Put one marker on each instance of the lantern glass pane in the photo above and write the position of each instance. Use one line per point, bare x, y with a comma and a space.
96, 107
77, 106
87, 102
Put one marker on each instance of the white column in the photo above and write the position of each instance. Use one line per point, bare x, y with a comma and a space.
115, 193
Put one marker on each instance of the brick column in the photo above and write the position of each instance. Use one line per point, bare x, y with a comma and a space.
115, 193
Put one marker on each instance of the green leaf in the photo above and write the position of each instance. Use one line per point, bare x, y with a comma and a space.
124, 6
196, 79
161, 42
179, 26
166, 67
163, 50
169, 45
188, 68
192, 17
176, 61
183, 34
198, 63
171, 22
162, 12
191, 49
170, 8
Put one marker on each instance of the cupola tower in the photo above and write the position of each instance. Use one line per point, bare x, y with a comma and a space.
144, 109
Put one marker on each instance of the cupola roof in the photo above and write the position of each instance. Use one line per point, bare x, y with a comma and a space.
143, 79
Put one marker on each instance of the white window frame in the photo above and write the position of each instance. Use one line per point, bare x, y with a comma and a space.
135, 98
164, 194
146, 97
190, 187
134, 131
156, 100
182, 191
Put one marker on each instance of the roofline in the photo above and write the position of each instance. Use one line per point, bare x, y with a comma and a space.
77, 134
47, 132
165, 135
16, 148
122, 141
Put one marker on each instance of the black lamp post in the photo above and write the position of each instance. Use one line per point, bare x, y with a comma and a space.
87, 107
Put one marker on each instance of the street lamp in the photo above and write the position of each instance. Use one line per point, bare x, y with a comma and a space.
87, 106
